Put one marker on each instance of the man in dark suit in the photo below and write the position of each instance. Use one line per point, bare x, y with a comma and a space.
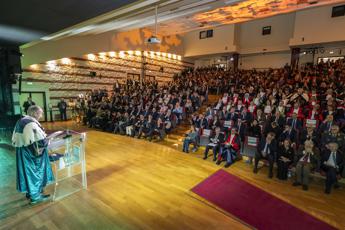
289, 134
295, 123
27, 104
333, 136
267, 149
216, 141
62, 105
326, 125
332, 163
148, 128
279, 119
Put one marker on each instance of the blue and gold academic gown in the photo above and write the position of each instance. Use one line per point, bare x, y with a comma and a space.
33, 167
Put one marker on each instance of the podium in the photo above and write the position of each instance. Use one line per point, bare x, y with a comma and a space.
67, 156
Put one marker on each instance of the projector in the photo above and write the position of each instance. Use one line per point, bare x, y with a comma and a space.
153, 40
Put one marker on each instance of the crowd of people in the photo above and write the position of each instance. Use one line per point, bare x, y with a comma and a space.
293, 119
142, 110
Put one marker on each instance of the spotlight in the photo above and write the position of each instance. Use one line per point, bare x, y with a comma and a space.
137, 52
91, 56
66, 61
122, 54
130, 52
169, 55
34, 66
51, 64
112, 54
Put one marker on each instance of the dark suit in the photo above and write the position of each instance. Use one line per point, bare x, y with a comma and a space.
290, 135
325, 127
328, 138
283, 167
217, 140
331, 172
269, 154
295, 124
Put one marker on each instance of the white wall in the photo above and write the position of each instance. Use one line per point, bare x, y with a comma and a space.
110, 41
251, 40
268, 60
221, 42
317, 26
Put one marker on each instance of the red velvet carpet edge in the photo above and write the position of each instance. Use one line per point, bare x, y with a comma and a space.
255, 206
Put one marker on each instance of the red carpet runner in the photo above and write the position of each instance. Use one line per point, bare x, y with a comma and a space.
255, 206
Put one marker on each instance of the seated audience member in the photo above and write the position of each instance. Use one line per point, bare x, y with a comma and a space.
333, 136
289, 134
159, 129
267, 149
326, 125
296, 109
191, 138
273, 128
278, 118
139, 126
148, 128
307, 161
260, 117
295, 123
314, 113
332, 164
231, 148
285, 157
216, 141
308, 133
254, 129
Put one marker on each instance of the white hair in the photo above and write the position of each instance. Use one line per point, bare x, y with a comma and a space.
33, 110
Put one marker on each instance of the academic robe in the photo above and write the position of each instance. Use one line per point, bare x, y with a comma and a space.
33, 167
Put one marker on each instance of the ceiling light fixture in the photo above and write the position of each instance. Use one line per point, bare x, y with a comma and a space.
66, 61
91, 57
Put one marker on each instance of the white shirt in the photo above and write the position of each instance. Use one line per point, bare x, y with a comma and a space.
332, 160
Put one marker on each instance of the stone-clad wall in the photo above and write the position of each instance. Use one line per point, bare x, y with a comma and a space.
70, 77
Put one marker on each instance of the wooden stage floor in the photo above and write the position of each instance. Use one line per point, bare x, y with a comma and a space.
136, 184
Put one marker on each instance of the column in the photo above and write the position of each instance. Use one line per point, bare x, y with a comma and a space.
295, 57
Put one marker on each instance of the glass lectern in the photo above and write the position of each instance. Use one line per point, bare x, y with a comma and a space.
67, 156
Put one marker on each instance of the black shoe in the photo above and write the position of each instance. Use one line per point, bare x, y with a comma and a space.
39, 200
214, 159
270, 175
328, 191
204, 158
305, 187
218, 162
296, 184
27, 195
336, 186
45, 195
227, 165
255, 170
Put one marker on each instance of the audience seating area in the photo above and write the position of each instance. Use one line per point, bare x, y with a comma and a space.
275, 116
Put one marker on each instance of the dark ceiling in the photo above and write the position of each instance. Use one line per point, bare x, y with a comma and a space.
38, 18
